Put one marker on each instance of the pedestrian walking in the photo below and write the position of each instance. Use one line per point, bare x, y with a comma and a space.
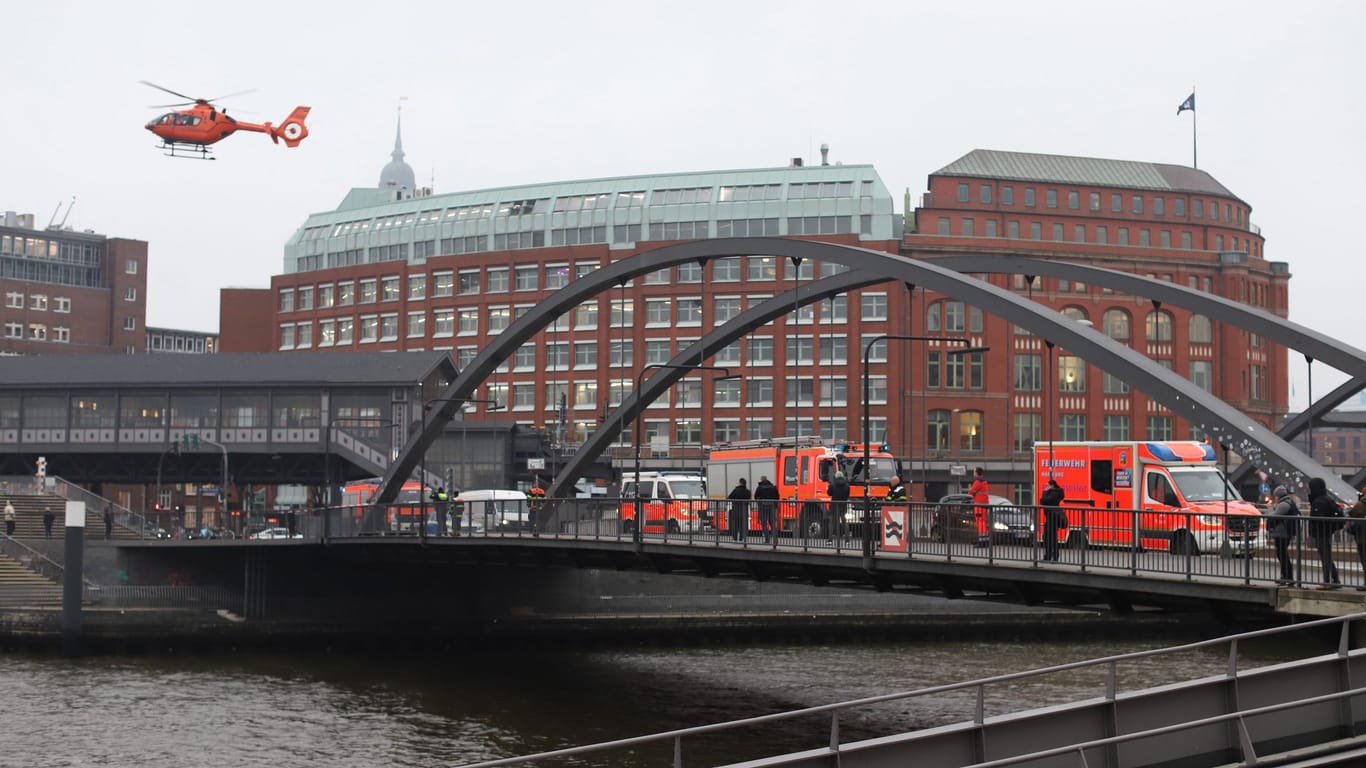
1054, 519
981, 498
9, 519
739, 510
1283, 527
108, 523
766, 497
1357, 527
1325, 520
48, 517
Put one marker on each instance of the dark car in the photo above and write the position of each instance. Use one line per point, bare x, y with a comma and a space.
955, 514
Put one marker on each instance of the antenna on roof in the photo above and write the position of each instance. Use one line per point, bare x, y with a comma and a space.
52, 223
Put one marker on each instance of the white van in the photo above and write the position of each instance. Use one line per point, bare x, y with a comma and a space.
493, 511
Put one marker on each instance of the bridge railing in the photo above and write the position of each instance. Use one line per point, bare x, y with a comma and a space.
1242, 720
1185, 545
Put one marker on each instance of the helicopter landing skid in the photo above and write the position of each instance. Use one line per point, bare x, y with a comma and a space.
190, 151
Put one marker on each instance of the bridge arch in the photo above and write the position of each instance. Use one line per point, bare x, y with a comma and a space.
1179, 395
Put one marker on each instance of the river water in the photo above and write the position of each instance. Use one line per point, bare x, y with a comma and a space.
283, 711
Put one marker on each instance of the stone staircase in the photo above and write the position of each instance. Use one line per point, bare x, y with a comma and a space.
20, 587
28, 518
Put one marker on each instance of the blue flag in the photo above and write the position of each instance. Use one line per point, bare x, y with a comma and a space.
1189, 103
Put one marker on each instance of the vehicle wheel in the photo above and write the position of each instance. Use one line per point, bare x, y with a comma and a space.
813, 526
937, 533
1076, 539
1183, 543
674, 529
628, 526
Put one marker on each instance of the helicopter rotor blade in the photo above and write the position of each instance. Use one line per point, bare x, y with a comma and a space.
191, 99
171, 106
229, 96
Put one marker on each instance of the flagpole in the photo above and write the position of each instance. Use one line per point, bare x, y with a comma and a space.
1195, 153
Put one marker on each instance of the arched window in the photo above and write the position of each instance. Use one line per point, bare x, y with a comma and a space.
1117, 324
1201, 331
1159, 325
932, 318
1073, 313
937, 424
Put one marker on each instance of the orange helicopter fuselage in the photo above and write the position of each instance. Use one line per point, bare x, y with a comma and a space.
203, 124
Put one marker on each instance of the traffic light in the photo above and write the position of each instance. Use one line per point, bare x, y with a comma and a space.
42, 467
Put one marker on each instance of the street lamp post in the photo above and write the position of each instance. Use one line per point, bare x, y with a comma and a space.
867, 448
640, 412
490, 405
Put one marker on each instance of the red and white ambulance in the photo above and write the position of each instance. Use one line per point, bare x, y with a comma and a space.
1154, 494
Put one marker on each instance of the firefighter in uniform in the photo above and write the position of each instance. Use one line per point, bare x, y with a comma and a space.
535, 500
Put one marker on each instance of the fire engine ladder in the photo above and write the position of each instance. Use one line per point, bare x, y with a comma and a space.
771, 442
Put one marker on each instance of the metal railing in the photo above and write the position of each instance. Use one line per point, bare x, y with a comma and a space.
1184, 545
978, 690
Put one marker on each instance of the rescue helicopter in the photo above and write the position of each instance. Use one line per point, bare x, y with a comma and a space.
189, 132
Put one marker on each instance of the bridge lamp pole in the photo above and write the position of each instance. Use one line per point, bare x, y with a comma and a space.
867, 437
639, 419
490, 405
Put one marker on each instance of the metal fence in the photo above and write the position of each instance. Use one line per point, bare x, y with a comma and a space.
188, 597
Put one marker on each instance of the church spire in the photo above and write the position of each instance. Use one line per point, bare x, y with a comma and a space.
398, 174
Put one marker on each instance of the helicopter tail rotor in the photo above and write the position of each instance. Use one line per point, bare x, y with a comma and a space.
292, 129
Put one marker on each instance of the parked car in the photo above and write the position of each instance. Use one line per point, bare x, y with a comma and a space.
956, 515
150, 531
276, 533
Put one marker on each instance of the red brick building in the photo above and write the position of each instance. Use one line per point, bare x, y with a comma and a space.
1163, 221
65, 291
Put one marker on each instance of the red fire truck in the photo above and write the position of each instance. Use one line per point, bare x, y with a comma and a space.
802, 468
1156, 494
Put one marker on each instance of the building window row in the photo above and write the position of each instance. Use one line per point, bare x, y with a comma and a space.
1095, 202
1093, 233
41, 302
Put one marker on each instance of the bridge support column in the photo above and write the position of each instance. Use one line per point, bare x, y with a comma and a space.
73, 578
255, 584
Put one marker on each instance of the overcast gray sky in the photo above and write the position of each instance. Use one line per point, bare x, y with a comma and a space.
501, 94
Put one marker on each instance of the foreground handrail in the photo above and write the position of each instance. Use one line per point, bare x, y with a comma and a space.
1111, 693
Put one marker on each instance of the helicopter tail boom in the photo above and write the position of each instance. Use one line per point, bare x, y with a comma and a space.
292, 129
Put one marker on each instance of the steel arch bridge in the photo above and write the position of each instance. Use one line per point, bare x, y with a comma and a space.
1215, 417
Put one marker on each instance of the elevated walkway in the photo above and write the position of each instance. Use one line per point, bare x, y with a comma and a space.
1307, 711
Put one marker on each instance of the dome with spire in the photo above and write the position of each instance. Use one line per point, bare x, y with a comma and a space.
398, 174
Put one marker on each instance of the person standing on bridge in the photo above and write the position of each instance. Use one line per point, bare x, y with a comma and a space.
1283, 528
739, 510
1054, 519
981, 497
108, 522
441, 501
9, 519
766, 497
896, 492
839, 503
48, 518
1325, 519
1358, 530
